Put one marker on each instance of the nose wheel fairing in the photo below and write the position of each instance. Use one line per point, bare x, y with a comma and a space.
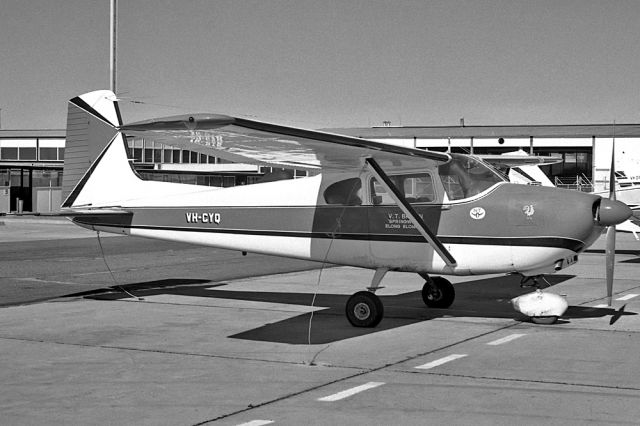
541, 307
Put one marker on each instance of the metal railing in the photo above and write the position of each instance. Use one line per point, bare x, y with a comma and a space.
578, 183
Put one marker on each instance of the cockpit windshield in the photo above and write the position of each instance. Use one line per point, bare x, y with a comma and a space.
465, 176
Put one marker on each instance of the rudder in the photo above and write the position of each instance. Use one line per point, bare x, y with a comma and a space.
92, 121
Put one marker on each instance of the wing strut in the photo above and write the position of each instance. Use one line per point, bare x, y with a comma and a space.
408, 210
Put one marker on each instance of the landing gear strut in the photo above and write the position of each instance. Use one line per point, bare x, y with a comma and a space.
364, 308
534, 281
437, 292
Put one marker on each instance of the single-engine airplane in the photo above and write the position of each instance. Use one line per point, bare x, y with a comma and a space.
368, 204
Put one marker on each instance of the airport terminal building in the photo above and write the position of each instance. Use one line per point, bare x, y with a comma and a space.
31, 161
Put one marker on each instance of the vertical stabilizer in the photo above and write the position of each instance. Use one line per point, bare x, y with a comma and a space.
92, 122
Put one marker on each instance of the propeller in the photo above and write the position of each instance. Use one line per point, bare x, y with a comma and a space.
610, 250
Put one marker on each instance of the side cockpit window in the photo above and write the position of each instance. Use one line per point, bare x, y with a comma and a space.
416, 188
345, 192
465, 176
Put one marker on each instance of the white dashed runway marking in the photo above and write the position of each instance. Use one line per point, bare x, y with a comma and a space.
440, 361
506, 339
627, 297
349, 392
257, 423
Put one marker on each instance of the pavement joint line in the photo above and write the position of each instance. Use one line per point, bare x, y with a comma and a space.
155, 302
506, 339
636, 288
516, 380
40, 280
165, 352
350, 392
568, 327
145, 297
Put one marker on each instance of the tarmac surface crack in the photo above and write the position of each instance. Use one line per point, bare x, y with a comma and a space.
528, 381
160, 351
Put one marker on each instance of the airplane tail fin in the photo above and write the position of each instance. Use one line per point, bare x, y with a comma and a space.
92, 124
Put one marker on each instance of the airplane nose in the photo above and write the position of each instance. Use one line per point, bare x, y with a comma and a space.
612, 212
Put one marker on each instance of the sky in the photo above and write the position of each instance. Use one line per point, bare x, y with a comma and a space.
319, 64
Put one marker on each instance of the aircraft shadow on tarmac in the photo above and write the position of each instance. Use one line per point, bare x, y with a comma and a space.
155, 285
635, 253
483, 298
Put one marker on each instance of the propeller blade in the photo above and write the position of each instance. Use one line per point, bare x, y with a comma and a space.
612, 171
610, 253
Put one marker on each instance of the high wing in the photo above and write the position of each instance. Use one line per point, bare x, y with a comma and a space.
247, 141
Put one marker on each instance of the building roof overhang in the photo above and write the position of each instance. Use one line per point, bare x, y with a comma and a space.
509, 131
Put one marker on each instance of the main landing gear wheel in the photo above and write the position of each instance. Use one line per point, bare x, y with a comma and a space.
364, 309
438, 293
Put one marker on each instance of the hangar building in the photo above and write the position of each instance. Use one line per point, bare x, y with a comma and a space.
585, 149
31, 161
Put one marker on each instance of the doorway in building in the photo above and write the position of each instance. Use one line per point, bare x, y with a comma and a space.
20, 189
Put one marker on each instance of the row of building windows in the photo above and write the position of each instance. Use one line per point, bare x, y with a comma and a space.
171, 156
26, 178
146, 154
576, 162
140, 151
221, 181
145, 151
19, 153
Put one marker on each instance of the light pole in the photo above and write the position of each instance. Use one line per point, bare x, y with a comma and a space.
113, 41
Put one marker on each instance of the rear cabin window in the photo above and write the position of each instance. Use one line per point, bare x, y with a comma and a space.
345, 192
416, 188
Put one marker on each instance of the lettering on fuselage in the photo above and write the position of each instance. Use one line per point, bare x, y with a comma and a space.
399, 221
195, 217
205, 139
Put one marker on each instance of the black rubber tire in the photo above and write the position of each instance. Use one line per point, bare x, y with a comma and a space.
364, 309
438, 293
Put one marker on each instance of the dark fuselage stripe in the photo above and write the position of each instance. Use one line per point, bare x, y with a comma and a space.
557, 242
